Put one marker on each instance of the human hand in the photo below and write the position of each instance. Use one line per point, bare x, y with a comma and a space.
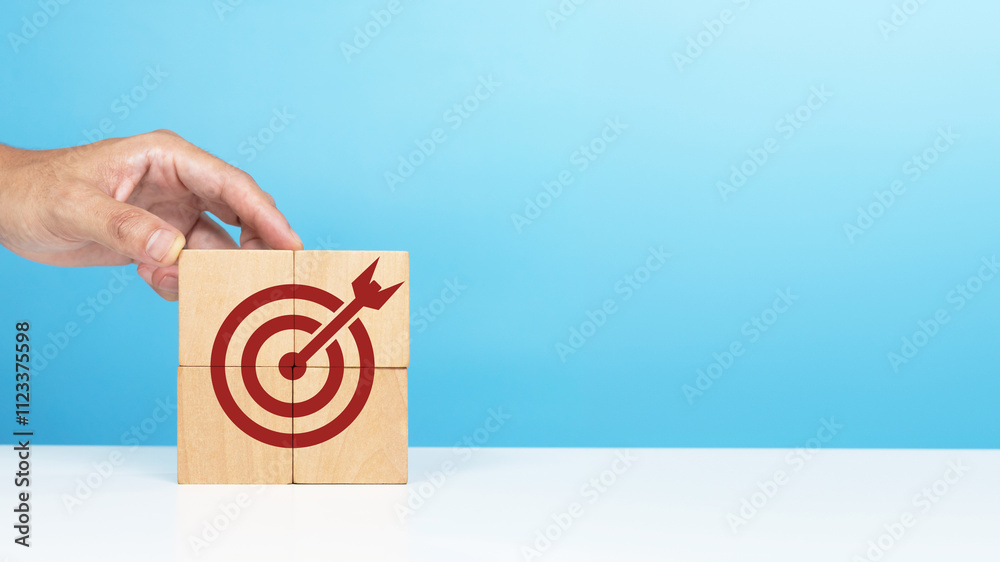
127, 200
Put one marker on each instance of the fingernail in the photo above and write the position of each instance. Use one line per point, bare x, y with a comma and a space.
296, 235
168, 283
164, 244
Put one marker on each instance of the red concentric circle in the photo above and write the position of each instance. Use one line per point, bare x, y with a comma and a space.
251, 380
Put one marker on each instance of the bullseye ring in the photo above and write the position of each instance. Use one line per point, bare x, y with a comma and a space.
289, 369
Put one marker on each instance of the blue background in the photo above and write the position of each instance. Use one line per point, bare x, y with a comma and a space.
495, 346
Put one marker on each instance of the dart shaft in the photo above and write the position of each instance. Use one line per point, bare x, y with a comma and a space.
330, 330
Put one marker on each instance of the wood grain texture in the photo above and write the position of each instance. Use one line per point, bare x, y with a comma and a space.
373, 449
212, 283
211, 449
388, 327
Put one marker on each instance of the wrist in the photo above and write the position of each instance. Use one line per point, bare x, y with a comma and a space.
5, 154
12, 163
9, 158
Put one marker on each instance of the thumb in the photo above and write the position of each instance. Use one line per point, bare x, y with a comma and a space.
128, 230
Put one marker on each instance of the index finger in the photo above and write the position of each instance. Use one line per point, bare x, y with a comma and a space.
214, 180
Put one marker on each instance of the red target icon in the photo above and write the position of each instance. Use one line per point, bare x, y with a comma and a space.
367, 294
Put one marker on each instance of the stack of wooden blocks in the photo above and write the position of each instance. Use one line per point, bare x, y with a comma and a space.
292, 367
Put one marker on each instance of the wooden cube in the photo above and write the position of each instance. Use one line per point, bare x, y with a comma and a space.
369, 414
212, 448
336, 273
213, 284
292, 367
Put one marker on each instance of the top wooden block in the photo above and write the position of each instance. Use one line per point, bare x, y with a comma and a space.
309, 308
355, 276
212, 283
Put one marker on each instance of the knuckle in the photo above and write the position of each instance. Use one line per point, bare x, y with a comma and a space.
235, 182
160, 138
241, 178
125, 224
166, 133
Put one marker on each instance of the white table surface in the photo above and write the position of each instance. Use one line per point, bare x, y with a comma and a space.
668, 504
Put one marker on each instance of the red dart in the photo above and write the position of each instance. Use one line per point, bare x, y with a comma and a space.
367, 294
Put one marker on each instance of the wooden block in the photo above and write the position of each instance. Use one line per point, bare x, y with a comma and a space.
372, 449
281, 348
213, 283
212, 448
383, 311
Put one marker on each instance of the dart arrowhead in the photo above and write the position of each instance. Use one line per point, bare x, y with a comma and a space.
368, 292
